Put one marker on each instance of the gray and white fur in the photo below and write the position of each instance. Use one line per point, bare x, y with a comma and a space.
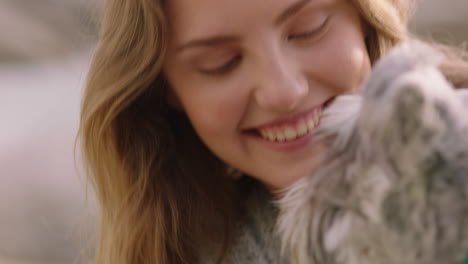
394, 186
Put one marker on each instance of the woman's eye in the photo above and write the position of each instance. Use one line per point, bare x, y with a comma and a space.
310, 34
230, 65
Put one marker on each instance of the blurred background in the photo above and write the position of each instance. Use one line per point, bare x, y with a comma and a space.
45, 48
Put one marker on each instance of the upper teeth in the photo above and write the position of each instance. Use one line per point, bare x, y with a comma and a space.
292, 131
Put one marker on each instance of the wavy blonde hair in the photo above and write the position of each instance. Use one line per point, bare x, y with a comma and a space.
161, 191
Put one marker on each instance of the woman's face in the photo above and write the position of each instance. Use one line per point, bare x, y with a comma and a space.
253, 77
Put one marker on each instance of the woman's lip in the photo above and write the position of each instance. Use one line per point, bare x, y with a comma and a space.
288, 121
291, 120
286, 146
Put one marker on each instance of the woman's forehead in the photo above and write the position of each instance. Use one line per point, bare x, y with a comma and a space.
189, 19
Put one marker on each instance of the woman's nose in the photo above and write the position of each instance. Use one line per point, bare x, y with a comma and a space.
280, 87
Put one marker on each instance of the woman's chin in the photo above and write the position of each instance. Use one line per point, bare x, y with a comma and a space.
280, 179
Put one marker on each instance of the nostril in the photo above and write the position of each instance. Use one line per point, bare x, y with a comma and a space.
281, 97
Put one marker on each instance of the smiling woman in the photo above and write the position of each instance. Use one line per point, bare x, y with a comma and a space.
184, 96
267, 74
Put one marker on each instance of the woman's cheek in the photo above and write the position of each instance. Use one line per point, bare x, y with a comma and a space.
214, 106
338, 66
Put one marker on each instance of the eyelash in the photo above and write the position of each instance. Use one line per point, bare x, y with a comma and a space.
310, 34
232, 63
225, 68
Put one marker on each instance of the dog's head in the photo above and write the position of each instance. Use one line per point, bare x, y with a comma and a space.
367, 201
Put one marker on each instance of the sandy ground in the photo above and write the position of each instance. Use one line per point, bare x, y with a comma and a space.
43, 215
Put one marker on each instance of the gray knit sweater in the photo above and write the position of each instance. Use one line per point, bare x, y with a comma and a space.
255, 240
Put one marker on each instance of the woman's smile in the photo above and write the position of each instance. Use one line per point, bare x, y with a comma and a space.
291, 133
257, 112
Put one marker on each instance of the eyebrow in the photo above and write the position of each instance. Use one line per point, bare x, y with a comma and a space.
218, 40
290, 11
211, 41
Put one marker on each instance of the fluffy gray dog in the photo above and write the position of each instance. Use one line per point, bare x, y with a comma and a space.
394, 186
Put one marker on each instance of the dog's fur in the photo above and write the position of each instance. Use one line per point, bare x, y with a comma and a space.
394, 187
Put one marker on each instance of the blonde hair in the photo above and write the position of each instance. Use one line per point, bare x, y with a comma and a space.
161, 191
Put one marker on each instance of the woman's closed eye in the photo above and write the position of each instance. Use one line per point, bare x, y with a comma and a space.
311, 34
225, 68
230, 64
